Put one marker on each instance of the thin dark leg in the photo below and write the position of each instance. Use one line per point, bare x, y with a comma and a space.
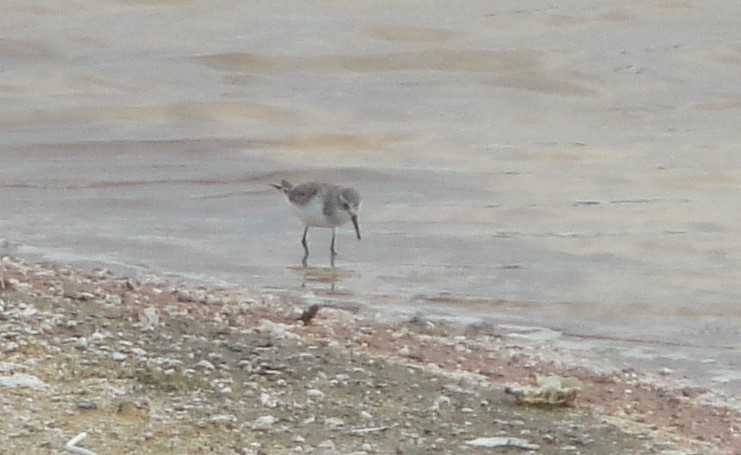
331, 247
306, 247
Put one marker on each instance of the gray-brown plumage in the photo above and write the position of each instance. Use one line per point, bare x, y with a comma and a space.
322, 205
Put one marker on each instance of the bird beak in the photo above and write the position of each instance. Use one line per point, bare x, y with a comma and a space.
354, 220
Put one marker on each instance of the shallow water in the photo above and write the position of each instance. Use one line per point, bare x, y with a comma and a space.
570, 167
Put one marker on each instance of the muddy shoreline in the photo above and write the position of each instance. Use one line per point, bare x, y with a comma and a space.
148, 365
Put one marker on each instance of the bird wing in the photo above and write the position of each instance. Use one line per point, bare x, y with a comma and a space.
302, 193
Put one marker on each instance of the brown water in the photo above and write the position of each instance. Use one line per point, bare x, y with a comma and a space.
568, 173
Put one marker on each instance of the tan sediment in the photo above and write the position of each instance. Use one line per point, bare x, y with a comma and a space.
726, 103
479, 61
411, 34
24, 49
218, 112
543, 82
329, 142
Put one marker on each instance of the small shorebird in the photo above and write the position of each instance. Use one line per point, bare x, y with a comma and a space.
322, 205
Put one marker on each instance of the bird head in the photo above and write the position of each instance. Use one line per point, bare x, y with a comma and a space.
350, 202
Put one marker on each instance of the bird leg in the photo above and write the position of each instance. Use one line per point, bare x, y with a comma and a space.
331, 247
306, 247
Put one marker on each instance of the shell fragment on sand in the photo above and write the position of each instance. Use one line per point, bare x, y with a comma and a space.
502, 442
549, 391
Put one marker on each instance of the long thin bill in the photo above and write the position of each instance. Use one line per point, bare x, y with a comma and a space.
354, 220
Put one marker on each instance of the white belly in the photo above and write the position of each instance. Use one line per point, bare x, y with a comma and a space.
312, 214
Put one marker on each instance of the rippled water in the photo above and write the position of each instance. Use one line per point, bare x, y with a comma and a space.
571, 167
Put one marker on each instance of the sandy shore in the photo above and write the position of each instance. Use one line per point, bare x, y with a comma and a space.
146, 365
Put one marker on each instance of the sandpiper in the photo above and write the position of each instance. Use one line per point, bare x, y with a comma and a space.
322, 205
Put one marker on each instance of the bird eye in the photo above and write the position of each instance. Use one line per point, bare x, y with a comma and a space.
346, 206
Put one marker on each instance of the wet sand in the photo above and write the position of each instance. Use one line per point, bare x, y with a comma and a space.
567, 173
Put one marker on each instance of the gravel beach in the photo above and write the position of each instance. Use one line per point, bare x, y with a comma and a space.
145, 365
